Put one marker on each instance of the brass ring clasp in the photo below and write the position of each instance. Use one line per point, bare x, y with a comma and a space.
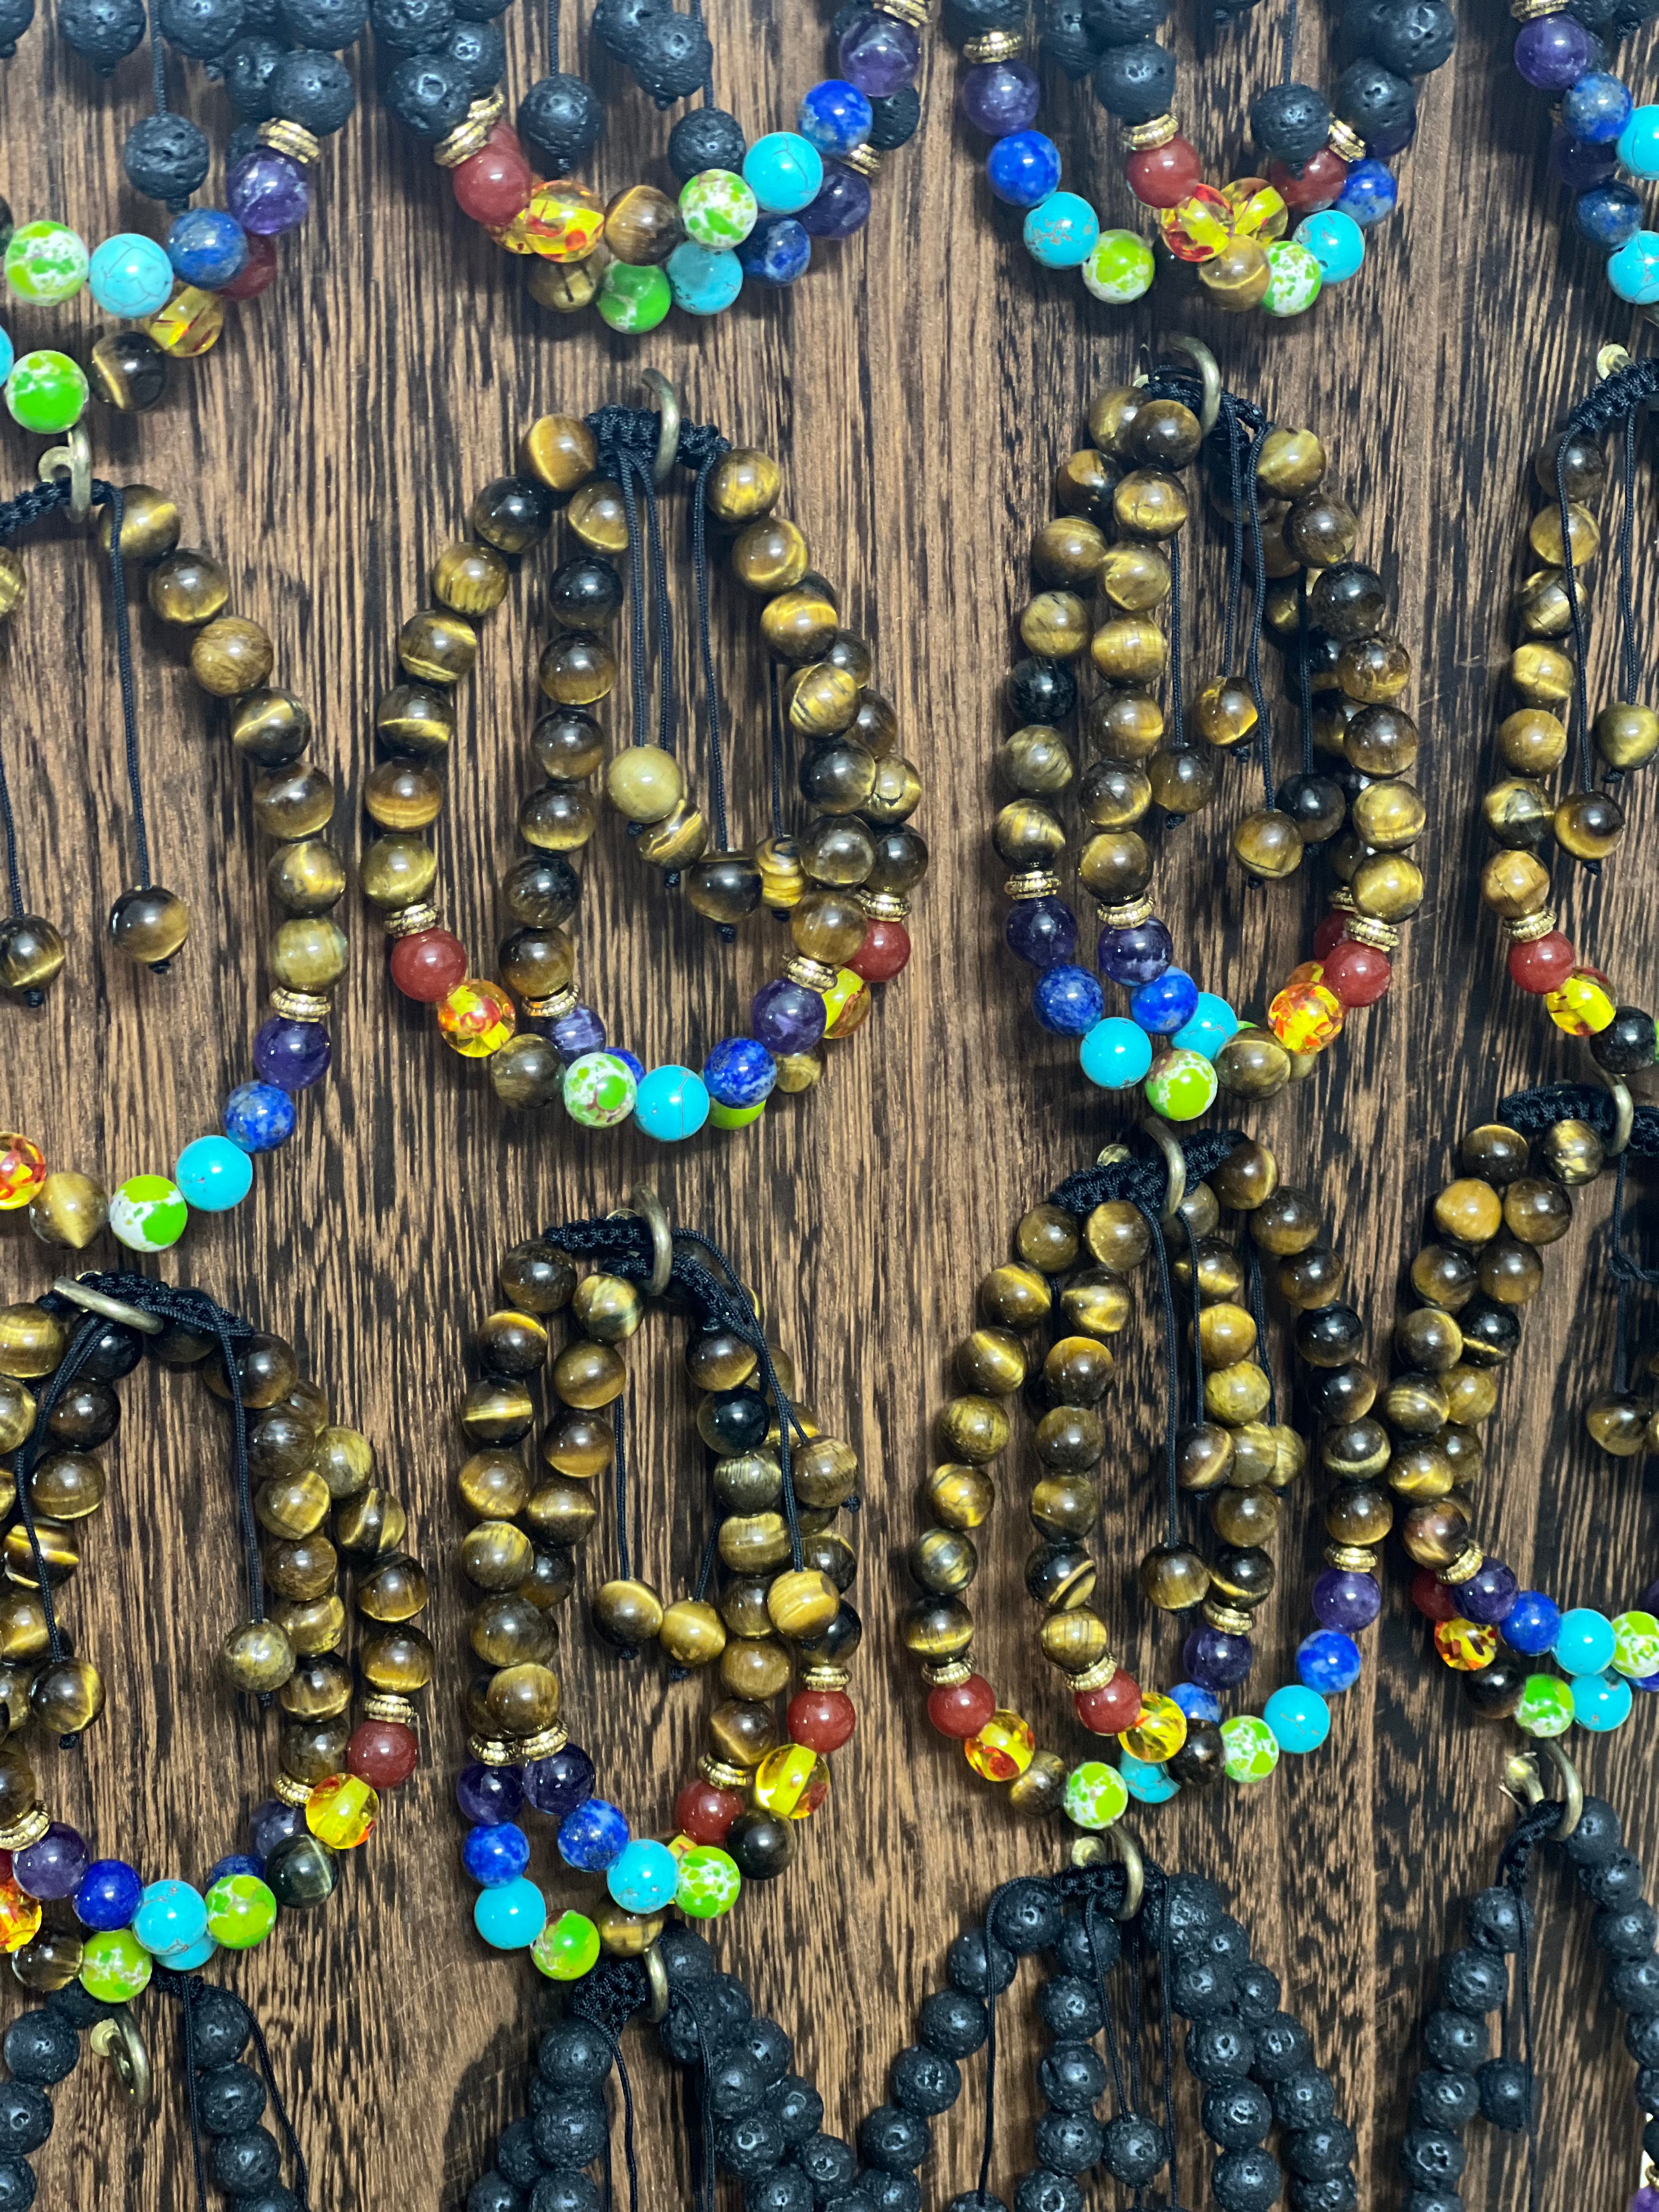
72, 459
108, 1309
657, 1974
644, 1201
668, 406
1523, 1782
117, 2040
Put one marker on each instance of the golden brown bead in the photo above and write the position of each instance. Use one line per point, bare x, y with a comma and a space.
1130, 649
1236, 1393
1572, 1152
588, 1376
1320, 530
1590, 824
1173, 1578
469, 579
559, 451
1625, 737
974, 1428
743, 486
1116, 1235
149, 526
1516, 812
1547, 541
1225, 711
1267, 844
1289, 465
230, 656
1094, 1303
292, 803
1537, 1212
1286, 1222
397, 872
741, 1732
1055, 624
256, 1658
271, 727
1047, 1239
1541, 675
769, 555
1069, 550
577, 669
306, 878
1532, 741
1116, 865
1148, 503
1388, 887
188, 587
149, 925
641, 225
1253, 1064
1514, 884
991, 1361
598, 516
1083, 484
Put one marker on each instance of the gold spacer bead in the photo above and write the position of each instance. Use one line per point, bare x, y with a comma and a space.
1227, 1618
1358, 1558
1467, 1563
824, 1678
290, 138
543, 1746
884, 905
865, 160
1527, 928
26, 1829
468, 136
299, 1006
410, 921
994, 46
913, 12
1128, 915
811, 975
1036, 883
1381, 936
291, 1792
1096, 1677
556, 1009
1140, 138
1342, 899
390, 1707
722, 1773
948, 1674
1344, 140
489, 1751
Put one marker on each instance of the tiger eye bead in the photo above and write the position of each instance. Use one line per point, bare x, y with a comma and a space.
1035, 762
1055, 624
1183, 779
522, 1699
769, 555
149, 925
1547, 541
1070, 550
577, 669
1116, 1235
1174, 1578
562, 1511
942, 1561
755, 1667
1289, 465
1147, 503
415, 721
1225, 711
992, 1361
294, 1505
1320, 530
436, 648
1115, 795
1077, 1371
741, 1732
1111, 411
608, 1308
66, 1486
511, 514
1070, 1439
1516, 813
495, 1412
1574, 460
469, 579
1094, 1303
579, 1446
150, 526
628, 1614
1537, 1212
1387, 887
1267, 844
507, 1631
1435, 1532
301, 1566
1046, 1238
692, 1633
559, 818
1204, 1455
974, 1428
188, 587
959, 1497
293, 803
828, 926
1625, 737
1127, 725
1225, 1333
1245, 1517
837, 776
559, 451
588, 1376
1541, 675
1286, 1222
641, 225
598, 518
1084, 483
512, 1343
256, 1658
1163, 433
306, 878
1374, 671
1130, 649
1572, 1152
1389, 816
1590, 824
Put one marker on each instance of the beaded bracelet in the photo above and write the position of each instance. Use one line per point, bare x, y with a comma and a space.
292, 1466
1325, 163
1550, 682
1116, 1212
782, 1601
845, 887
231, 659
1458, 2080
1512, 1197
742, 211
1328, 611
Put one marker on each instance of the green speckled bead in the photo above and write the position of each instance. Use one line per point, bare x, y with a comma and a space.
1250, 1748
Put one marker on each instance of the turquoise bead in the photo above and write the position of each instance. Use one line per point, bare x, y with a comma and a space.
1300, 1719
1335, 241
1633, 271
171, 1916
1638, 142
7, 355
197, 1955
671, 1102
1212, 1023
1601, 1702
645, 1878
1146, 1781
512, 1916
784, 172
1584, 1641
214, 1175
131, 276
1115, 1053
704, 283
1062, 232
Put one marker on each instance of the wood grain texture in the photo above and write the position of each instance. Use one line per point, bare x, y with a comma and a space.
920, 389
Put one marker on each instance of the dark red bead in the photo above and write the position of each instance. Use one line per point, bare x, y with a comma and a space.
1329, 934
704, 1811
1318, 186
256, 274
428, 965
1542, 965
1112, 1708
383, 1753
961, 1709
885, 949
1164, 176
820, 1719
1358, 974
495, 182
1435, 1599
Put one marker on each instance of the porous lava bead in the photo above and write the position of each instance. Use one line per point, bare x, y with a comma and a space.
561, 119
705, 138
1289, 122
166, 157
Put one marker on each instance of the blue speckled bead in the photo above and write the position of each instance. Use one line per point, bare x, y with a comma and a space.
1166, 1004
646, 1876
704, 282
1638, 142
208, 248
1633, 271
1211, 1023
739, 1072
512, 1916
631, 1060
1024, 167
776, 251
1609, 215
259, 1117
108, 1895
1596, 108
1584, 1641
784, 171
1369, 193
835, 118
1117, 1053
213, 1173
671, 1102
495, 1854
1530, 1623
1195, 1701
1067, 1000
1328, 1661
130, 276
1299, 1718
1148, 1782
1061, 232
593, 1837
1336, 242
1601, 1702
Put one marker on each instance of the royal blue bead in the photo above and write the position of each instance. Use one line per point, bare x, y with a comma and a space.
1609, 215
631, 1062
1042, 932
108, 1895
1596, 108
497, 1854
259, 1117
1166, 1004
739, 1072
487, 1795
1369, 193
1530, 1623
208, 248
1067, 1000
291, 1054
593, 1837
580, 1031
1195, 1701
1024, 167
777, 251
1134, 952
1328, 1660
234, 1863
835, 116
1115, 1053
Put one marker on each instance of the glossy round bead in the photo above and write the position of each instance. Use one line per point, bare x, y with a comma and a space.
1164, 176
1293, 278
1464, 1644
1584, 1641
23, 1169
835, 116
475, 1018
1336, 242
961, 1710
1632, 271
671, 1103
1062, 232
593, 1836
1582, 1004
1115, 1053
1250, 1748
718, 209
1595, 109
268, 193
1166, 1003
1000, 99
1299, 1717
495, 1853
259, 1117
1095, 1795
1022, 169
1636, 1644
108, 1895
130, 276
1546, 1707
241, 1911
1119, 268
1305, 1016
147, 1213
563, 222
383, 1753
46, 262
1369, 193
703, 283
1158, 1733
634, 298
784, 171
172, 1917
46, 392
708, 1882
494, 185
740, 1072
1067, 1000
1003, 1749
645, 1878
1531, 1623
114, 1966
341, 1812
213, 1175
20, 1917
1328, 1661
567, 1949
879, 54
1553, 51
1601, 1702
1638, 142
822, 1719
599, 1089
512, 1917
1182, 1085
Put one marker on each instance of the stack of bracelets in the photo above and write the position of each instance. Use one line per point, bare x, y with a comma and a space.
1550, 680
1328, 611
1510, 1198
67, 1918
742, 212
779, 1485
1073, 1254
844, 886
1128, 1949
231, 659
1325, 163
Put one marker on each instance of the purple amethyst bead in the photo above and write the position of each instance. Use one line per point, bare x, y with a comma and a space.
1553, 51
273, 1823
1345, 1601
268, 193
488, 1795
557, 1784
1215, 1660
787, 1017
1651, 1598
1580, 163
1489, 1594
1042, 932
879, 55
1384, 145
841, 207
1646, 2199
581, 1030
998, 97
53, 1866
291, 1054
1134, 955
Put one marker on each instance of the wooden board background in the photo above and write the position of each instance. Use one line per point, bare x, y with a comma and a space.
920, 389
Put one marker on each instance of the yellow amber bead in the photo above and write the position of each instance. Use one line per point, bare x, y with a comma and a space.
20, 1916
341, 1812
477, 1018
846, 1004
564, 221
1305, 1016
1465, 1644
1160, 1731
23, 1169
190, 323
1583, 1005
784, 1779
1003, 1749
